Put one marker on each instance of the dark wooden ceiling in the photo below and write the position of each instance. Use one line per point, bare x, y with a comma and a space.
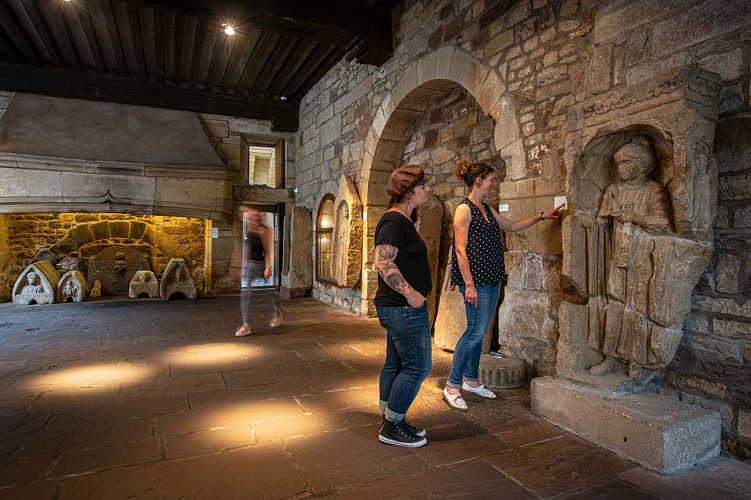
175, 53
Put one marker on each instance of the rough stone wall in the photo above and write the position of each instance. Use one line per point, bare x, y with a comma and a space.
713, 365
6, 286
454, 129
28, 234
544, 57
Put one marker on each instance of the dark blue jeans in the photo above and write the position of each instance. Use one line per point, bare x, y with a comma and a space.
408, 357
467, 352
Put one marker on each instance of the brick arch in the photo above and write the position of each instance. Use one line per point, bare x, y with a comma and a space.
415, 88
90, 232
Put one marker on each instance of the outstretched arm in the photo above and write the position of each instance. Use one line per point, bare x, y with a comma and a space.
514, 226
385, 256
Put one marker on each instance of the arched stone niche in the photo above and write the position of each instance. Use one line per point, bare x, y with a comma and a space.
37, 284
346, 255
677, 112
414, 90
72, 287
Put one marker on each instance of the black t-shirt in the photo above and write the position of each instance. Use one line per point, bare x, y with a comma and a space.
412, 259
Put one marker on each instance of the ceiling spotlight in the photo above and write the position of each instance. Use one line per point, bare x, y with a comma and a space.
283, 98
228, 29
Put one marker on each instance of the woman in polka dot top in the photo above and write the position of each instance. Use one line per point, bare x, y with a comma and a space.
477, 267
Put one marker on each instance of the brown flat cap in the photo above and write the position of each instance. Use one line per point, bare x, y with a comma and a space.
405, 178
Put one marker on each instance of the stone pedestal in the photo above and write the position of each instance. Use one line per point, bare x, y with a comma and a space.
143, 282
292, 293
502, 373
660, 434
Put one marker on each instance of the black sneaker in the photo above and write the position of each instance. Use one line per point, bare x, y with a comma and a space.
415, 430
399, 434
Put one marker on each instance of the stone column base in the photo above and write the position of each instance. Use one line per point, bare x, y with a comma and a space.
658, 433
502, 373
292, 293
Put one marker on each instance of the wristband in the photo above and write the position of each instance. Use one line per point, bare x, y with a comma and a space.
542, 215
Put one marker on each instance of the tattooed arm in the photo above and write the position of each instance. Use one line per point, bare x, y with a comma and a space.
385, 255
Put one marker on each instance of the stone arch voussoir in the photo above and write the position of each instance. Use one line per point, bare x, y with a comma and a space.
415, 86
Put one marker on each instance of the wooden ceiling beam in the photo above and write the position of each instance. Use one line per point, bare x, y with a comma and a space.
334, 22
62, 83
298, 57
113, 31
135, 30
84, 17
45, 33
159, 44
198, 41
178, 44
239, 60
10, 23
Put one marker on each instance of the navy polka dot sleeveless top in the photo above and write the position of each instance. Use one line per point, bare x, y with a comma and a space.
483, 249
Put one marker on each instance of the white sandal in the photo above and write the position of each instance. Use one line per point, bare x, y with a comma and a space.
455, 401
480, 391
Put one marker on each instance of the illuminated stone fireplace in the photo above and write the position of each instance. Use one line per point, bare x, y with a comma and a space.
80, 177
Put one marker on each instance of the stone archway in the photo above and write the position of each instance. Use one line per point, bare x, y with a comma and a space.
417, 86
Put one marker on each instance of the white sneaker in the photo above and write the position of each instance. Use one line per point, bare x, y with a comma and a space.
480, 391
243, 331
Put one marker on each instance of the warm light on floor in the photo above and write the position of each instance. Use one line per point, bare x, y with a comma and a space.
207, 354
101, 376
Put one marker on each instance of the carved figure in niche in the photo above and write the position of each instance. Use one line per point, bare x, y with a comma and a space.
340, 245
32, 284
120, 265
633, 211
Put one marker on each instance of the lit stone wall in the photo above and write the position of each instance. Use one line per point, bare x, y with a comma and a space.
6, 286
527, 64
30, 234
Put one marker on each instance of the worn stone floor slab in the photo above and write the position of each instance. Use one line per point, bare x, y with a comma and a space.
159, 400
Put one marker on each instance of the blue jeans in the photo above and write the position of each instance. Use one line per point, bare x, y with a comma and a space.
408, 357
467, 352
253, 271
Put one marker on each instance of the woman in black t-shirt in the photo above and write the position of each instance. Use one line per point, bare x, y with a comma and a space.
401, 258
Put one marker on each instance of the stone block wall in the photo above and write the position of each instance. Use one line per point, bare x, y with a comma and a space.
6, 285
527, 64
30, 234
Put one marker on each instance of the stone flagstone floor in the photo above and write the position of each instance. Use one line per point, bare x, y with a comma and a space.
158, 400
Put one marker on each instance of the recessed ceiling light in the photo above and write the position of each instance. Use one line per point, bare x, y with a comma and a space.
228, 29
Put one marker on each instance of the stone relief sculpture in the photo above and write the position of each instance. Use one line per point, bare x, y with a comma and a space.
639, 271
177, 279
114, 268
346, 254
71, 288
340, 241
633, 210
37, 284
143, 283
32, 284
